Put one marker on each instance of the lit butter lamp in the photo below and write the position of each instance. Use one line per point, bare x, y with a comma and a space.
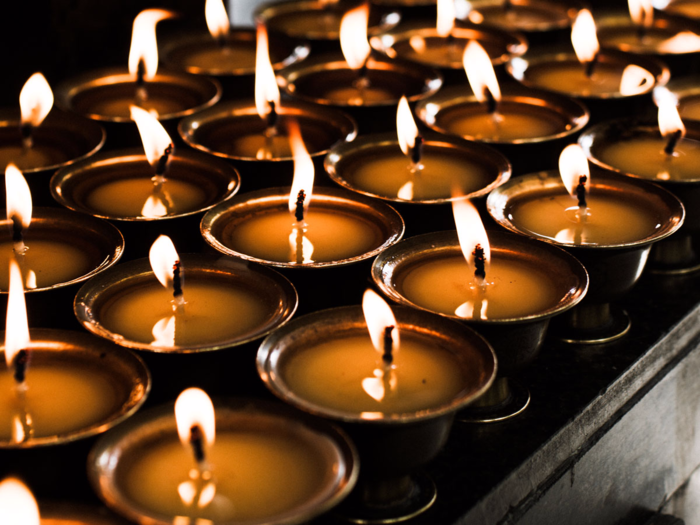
303, 228
416, 170
607, 221
594, 75
18, 507
667, 154
394, 380
158, 189
247, 462
248, 132
228, 53
365, 85
505, 287
540, 20
56, 250
441, 45
48, 370
525, 124
644, 32
148, 304
318, 21
41, 139
105, 95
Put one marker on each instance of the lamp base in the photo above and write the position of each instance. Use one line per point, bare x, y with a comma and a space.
674, 256
504, 400
591, 324
389, 500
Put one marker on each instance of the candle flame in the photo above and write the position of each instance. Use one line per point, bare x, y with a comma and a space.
572, 165
193, 407
406, 126
154, 138
669, 119
35, 100
17, 504
17, 327
17, 195
266, 89
470, 230
353, 36
217, 19
303, 168
683, 42
480, 73
379, 317
163, 257
642, 12
584, 37
446, 13
143, 41
635, 80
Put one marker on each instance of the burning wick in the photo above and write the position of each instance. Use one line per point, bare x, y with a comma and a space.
491, 104
18, 246
507, 5
271, 119
672, 142
162, 167
178, 295
479, 265
26, 130
21, 362
581, 192
141, 91
591, 65
387, 347
197, 443
416, 151
299, 211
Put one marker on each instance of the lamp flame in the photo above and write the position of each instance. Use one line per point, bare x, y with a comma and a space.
406, 126
155, 139
635, 80
480, 73
353, 36
194, 408
379, 317
470, 230
17, 327
18, 197
446, 13
584, 37
35, 100
641, 12
143, 41
572, 165
163, 257
683, 42
303, 168
17, 504
217, 19
266, 89
669, 119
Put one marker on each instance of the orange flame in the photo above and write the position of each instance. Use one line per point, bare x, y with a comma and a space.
17, 327
683, 42
584, 37
480, 71
572, 165
470, 230
143, 41
379, 317
35, 100
642, 12
353, 36
193, 407
445, 17
635, 80
217, 19
153, 135
17, 504
303, 168
405, 126
266, 89
163, 257
17, 195
669, 119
